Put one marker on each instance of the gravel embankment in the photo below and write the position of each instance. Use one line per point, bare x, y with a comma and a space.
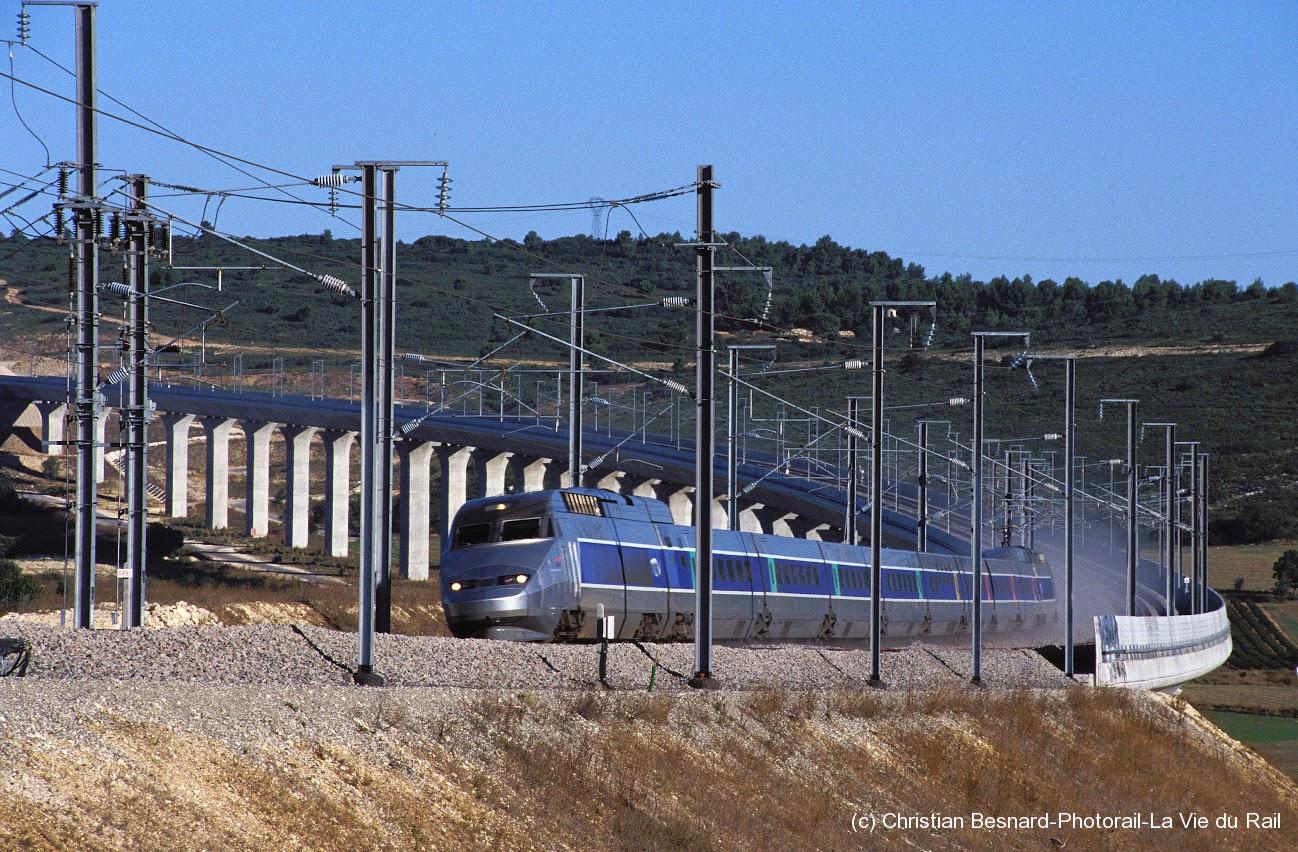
280, 655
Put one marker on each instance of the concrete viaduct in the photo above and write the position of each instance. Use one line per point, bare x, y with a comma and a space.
477, 456
483, 455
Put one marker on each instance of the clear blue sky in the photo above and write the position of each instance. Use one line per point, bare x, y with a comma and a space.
1098, 139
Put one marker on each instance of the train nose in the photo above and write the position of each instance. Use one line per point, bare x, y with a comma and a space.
507, 580
500, 591
480, 605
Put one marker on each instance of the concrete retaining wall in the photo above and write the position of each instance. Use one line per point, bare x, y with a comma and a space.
1157, 651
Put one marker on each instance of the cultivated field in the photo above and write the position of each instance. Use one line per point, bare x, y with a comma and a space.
1253, 562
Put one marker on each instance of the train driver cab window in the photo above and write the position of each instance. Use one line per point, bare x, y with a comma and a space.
470, 534
518, 529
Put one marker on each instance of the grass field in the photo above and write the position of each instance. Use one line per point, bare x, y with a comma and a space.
1275, 738
1275, 700
1285, 615
1256, 729
1253, 562
1259, 679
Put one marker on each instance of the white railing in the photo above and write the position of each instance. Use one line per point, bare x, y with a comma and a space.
1149, 652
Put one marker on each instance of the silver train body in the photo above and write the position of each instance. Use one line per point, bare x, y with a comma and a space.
540, 565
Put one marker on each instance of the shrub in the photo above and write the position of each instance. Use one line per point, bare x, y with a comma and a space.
8, 493
1285, 572
1264, 517
1281, 347
16, 589
164, 540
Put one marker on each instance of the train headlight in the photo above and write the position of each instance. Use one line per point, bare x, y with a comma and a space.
456, 586
520, 579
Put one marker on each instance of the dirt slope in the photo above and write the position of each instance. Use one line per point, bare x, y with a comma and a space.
102, 765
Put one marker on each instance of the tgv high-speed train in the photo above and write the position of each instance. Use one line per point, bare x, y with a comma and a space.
537, 566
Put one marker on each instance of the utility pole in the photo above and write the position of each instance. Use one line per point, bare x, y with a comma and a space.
1070, 477
1008, 498
732, 436
1070, 446
732, 441
1021, 474
86, 400
387, 332
378, 364
1030, 498
704, 431
137, 412
1203, 532
371, 340
1133, 544
921, 520
879, 312
576, 369
577, 339
1195, 543
976, 522
1169, 510
1192, 527
850, 534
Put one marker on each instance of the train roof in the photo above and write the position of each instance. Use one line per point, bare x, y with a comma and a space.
598, 502
1014, 553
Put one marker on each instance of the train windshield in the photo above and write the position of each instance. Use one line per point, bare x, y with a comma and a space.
519, 529
509, 529
470, 534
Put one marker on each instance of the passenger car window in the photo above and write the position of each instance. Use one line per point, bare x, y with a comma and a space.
471, 534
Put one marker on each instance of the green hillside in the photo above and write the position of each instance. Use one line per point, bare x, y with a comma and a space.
1213, 356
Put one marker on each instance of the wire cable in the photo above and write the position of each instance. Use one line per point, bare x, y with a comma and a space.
211, 152
13, 98
159, 130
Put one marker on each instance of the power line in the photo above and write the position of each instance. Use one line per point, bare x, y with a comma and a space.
159, 130
214, 154
558, 207
13, 98
184, 189
27, 244
329, 282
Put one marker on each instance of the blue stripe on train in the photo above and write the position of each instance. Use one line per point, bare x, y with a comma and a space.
650, 567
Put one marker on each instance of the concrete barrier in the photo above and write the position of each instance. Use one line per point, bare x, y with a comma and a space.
1157, 651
